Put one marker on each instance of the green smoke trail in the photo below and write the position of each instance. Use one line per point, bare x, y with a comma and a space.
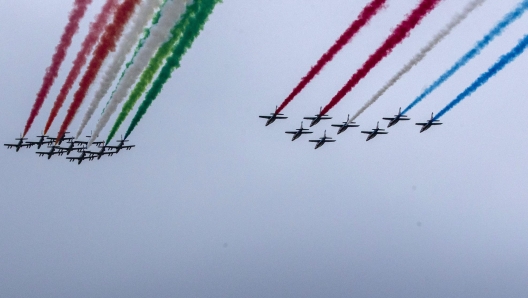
146, 34
173, 62
189, 17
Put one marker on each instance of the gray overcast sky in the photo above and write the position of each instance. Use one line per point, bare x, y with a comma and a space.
211, 203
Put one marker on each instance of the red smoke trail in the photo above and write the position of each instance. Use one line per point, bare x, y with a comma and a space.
106, 45
77, 13
368, 12
392, 41
96, 28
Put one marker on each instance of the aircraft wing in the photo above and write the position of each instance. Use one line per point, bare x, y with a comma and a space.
305, 132
36, 143
387, 118
436, 123
314, 141
266, 117
422, 124
310, 118
330, 140
325, 118
382, 132
291, 132
337, 125
369, 132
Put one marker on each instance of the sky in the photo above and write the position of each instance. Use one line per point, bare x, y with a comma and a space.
211, 203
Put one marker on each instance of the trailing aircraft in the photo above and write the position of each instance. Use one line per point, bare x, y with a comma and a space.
81, 157
62, 139
345, 125
121, 145
317, 118
299, 132
101, 152
40, 142
85, 143
51, 152
274, 116
396, 118
376, 131
429, 123
19, 145
322, 141
71, 148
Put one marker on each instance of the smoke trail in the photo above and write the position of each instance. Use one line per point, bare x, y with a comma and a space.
396, 37
143, 16
173, 62
488, 38
79, 9
364, 18
161, 32
457, 19
156, 63
107, 44
492, 71
96, 28
146, 34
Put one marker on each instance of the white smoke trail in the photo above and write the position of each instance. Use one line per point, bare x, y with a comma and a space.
457, 19
143, 16
161, 32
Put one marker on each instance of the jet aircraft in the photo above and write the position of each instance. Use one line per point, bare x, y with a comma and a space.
101, 152
376, 131
345, 125
19, 145
71, 148
274, 116
51, 152
81, 157
322, 141
317, 118
121, 145
40, 142
85, 143
429, 123
299, 132
62, 139
396, 118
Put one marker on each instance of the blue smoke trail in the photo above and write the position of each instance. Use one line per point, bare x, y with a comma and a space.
492, 71
496, 31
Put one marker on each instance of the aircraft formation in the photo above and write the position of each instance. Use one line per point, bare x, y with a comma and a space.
397, 36
54, 146
162, 32
345, 125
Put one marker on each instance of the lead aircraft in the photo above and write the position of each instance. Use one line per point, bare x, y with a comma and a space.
274, 116
396, 118
322, 141
317, 118
299, 132
345, 125
429, 123
19, 145
376, 131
